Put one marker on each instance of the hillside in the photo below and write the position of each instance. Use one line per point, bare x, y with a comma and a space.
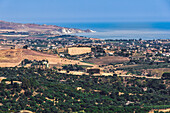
13, 57
47, 91
36, 28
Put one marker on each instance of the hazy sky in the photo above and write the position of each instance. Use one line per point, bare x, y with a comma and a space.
84, 10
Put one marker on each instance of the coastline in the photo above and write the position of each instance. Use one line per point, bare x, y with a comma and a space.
146, 30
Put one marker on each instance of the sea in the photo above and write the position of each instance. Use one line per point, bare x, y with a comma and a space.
131, 30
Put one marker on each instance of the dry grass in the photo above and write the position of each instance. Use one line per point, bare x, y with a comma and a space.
158, 72
4, 47
107, 60
13, 57
10, 56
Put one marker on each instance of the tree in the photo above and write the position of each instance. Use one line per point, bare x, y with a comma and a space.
25, 83
25, 47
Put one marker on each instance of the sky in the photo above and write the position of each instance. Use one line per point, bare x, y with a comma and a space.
85, 11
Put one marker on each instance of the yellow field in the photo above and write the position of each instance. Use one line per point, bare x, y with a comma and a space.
13, 57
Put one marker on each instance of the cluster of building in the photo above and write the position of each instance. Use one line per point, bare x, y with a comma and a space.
137, 49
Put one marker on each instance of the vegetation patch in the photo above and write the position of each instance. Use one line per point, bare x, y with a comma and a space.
45, 90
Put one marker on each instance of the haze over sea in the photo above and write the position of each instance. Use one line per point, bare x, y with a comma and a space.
146, 31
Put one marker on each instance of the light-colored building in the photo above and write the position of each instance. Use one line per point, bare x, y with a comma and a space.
78, 50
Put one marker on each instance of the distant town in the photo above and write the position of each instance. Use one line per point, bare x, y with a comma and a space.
123, 57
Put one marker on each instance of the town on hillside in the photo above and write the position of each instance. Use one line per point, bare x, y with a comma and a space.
131, 57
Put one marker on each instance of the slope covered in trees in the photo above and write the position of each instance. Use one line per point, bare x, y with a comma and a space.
44, 90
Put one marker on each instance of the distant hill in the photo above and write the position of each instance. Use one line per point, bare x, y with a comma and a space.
36, 28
